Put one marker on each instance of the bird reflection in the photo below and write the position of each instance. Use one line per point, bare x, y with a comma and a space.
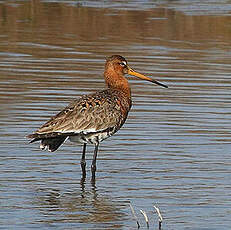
93, 187
84, 205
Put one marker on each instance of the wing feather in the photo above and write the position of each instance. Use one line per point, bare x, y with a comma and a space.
91, 113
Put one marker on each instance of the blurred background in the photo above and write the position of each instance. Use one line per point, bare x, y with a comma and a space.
173, 151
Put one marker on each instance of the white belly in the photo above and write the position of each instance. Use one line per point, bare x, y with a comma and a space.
90, 138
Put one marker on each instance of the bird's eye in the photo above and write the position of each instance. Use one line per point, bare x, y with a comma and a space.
123, 64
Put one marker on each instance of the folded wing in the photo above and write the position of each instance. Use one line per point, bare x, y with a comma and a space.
89, 114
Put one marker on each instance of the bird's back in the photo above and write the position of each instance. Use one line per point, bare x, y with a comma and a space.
91, 118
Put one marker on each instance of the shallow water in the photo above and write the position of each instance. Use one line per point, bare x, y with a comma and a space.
173, 151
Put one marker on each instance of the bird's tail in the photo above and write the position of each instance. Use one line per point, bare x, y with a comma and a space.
51, 143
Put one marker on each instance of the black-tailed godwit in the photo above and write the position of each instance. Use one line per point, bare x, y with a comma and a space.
94, 117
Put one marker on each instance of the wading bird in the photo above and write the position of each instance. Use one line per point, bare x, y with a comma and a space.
94, 117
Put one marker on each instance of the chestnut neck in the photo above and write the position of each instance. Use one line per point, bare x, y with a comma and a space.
117, 82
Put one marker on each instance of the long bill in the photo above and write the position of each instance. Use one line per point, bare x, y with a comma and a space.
141, 76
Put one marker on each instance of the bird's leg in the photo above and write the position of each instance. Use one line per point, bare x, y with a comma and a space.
93, 165
83, 162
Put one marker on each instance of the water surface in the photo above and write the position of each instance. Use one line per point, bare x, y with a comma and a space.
173, 151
